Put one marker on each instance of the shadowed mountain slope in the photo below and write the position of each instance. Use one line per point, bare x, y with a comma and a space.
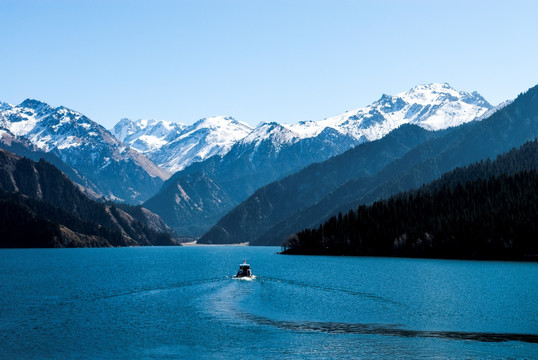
488, 210
509, 127
43, 208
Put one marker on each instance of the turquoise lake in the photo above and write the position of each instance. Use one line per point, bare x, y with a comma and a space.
182, 303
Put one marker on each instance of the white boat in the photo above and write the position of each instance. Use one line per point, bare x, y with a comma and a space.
244, 271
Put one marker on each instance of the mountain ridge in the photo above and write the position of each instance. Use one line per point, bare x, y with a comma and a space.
310, 184
44, 208
486, 210
509, 127
273, 151
116, 170
174, 146
432, 106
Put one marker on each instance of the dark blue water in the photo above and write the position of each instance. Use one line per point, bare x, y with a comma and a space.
144, 303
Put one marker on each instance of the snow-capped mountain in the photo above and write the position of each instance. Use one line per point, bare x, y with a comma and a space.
432, 107
146, 135
205, 138
118, 171
174, 146
268, 136
194, 197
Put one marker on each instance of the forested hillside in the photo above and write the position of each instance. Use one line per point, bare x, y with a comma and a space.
509, 127
278, 200
488, 210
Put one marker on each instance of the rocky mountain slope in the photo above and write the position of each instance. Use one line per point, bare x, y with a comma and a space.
488, 210
174, 146
114, 169
509, 127
41, 207
282, 198
272, 151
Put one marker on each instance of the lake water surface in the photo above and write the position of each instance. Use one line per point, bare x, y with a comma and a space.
145, 303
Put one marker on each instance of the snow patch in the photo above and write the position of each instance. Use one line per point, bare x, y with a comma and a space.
69, 142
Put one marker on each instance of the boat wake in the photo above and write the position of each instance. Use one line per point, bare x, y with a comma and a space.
390, 330
226, 303
244, 278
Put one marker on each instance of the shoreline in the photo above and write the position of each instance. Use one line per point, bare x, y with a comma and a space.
194, 243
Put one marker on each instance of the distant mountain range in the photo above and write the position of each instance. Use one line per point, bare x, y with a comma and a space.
282, 198
195, 198
274, 212
219, 174
174, 146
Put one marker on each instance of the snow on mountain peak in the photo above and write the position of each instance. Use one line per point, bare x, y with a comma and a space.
432, 106
275, 132
34, 104
77, 140
5, 106
430, 94
214, 121
174, 146
220, 129
146, 135
33, 118
124, 128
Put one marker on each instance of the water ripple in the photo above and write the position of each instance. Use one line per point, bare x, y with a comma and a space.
333, 289
148, 290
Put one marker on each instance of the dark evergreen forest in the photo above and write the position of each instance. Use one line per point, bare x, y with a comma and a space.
488, 210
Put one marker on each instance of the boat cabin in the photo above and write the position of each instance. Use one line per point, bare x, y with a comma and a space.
244, 270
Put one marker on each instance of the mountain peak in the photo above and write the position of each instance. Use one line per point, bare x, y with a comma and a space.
124, 128
439, 87
125, 121
86, 146
267, 128
5, 106
34, 104
216, 122
429, 91
174, 146
439, 94
145, 123
276, 133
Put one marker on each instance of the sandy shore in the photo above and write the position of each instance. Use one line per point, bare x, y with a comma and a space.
194, 243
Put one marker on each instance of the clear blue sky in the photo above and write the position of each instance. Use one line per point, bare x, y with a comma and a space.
271, 60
